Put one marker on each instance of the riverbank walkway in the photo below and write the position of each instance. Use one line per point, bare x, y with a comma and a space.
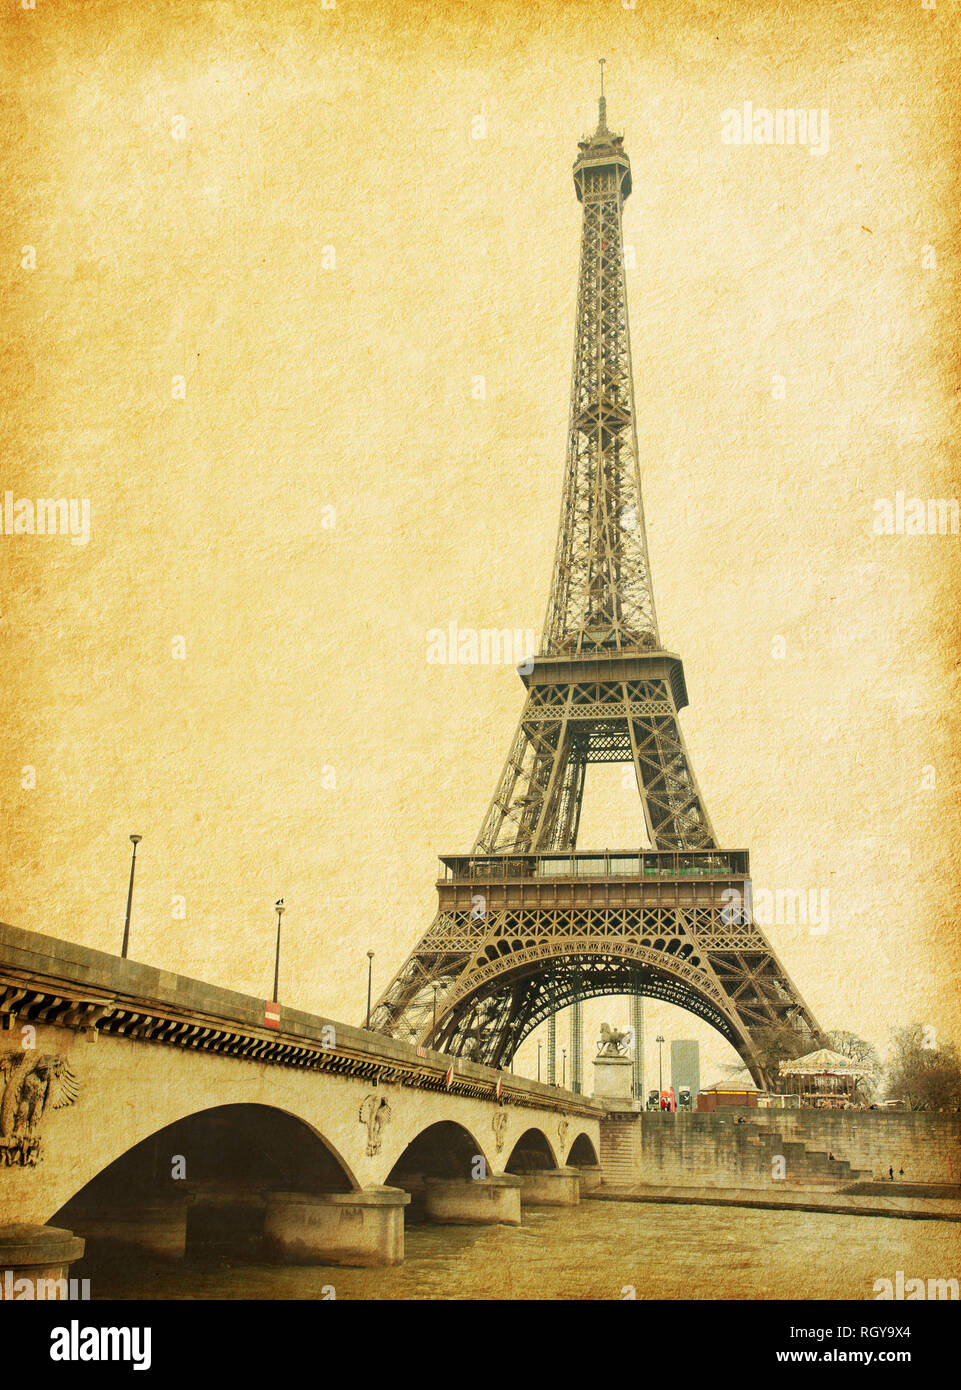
902, 1200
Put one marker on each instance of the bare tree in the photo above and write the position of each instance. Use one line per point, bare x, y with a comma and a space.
926, 1076
864, 1053
778, 1042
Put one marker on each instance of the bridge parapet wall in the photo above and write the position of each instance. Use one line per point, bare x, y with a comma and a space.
49, 981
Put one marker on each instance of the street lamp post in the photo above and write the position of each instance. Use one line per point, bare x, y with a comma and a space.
135, 841
370, 969
660, 1064
539, 1045
280, 910
433, 1030
563, 1066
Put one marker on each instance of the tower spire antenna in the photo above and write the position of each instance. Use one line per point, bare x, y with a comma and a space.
602, 103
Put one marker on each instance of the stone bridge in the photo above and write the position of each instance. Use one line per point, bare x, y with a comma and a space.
141, 1105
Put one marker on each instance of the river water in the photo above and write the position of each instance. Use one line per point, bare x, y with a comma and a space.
597, 1250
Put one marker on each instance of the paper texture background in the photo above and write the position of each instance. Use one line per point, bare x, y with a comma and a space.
361, 212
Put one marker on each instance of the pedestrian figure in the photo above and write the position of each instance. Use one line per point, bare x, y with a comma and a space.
891, 1174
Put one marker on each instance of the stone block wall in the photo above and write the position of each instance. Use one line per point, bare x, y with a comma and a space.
713, 1150
927, 1146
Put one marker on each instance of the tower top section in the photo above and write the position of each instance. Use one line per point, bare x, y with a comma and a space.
602, 169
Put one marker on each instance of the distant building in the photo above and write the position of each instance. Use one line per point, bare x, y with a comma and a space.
686, 1065
724, 1096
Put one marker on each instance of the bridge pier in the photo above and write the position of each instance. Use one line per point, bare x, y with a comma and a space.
592, 1175
158, 1226
35, 1260
551, 1187
474, 1201
336, 1228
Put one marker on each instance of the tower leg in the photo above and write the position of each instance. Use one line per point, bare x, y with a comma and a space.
637, 1023
577, 1053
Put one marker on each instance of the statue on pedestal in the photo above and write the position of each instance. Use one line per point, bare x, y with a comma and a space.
613, 1041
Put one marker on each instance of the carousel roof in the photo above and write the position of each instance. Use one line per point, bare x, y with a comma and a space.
824, 1062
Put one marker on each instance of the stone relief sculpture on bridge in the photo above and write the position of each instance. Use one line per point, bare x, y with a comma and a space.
499, 1126
30, 1084
562, 1127
375, 1113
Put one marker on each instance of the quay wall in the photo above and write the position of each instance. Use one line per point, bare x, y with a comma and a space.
713, 1150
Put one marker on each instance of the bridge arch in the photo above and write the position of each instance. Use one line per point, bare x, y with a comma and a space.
582, 1153
206, 1176
234, 1143
532, 1153
444, 1149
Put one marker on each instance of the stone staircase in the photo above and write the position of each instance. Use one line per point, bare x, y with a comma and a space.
803, 1166
617, 1154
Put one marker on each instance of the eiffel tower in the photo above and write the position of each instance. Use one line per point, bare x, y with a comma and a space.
528, 924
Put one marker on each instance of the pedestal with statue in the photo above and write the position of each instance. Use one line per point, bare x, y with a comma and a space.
613, 1065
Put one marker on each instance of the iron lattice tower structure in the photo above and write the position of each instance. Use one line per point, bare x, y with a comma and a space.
527, 924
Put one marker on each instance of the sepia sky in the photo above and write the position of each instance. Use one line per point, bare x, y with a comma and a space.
297, 323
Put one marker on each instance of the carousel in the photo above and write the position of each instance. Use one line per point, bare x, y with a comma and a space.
824, 1080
